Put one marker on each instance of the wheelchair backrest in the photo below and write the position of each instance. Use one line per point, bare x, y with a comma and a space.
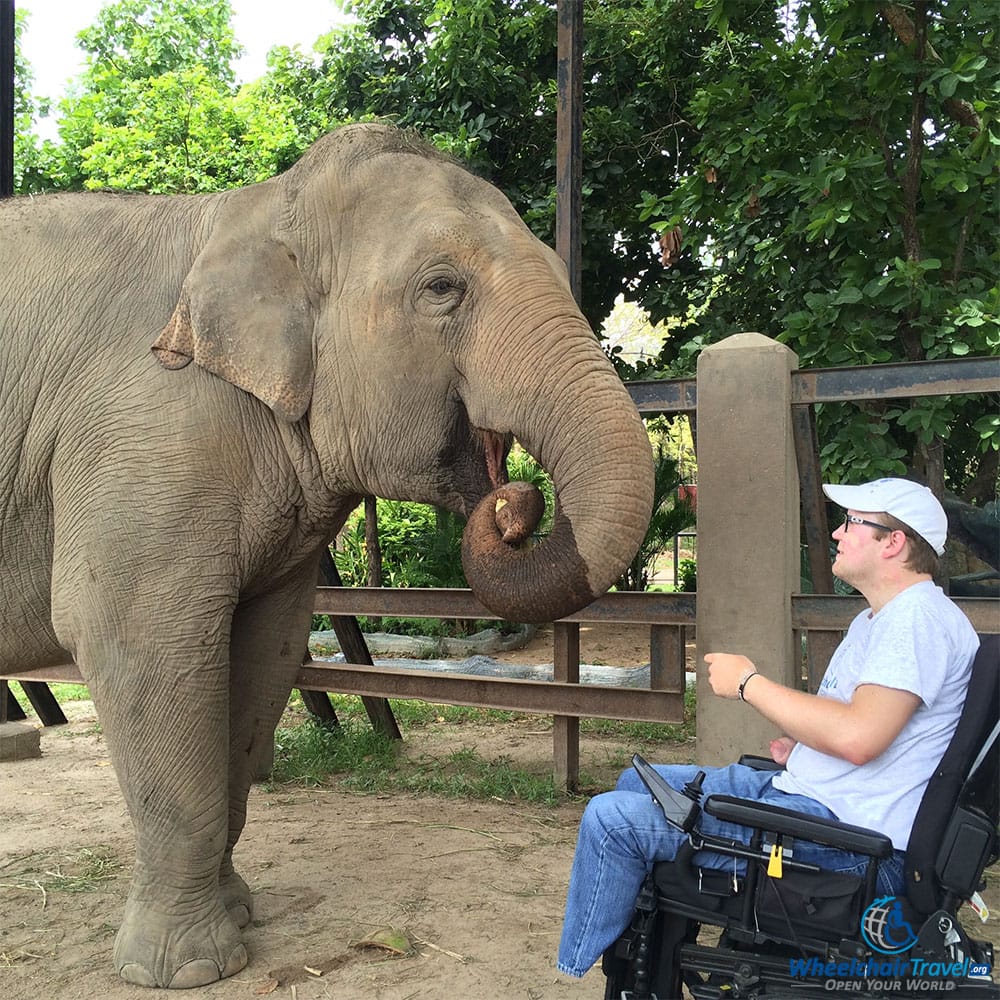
954, 833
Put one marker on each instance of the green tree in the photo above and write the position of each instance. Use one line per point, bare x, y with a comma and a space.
153, 111
479, 78
845, 202
28, 148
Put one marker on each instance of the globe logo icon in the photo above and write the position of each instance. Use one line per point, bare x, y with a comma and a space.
884, 927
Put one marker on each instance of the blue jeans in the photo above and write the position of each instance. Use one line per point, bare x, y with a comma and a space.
623, 833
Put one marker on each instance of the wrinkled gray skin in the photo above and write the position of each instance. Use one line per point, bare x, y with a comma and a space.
195, 391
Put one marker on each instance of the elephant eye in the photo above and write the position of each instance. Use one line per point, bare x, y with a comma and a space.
443, 292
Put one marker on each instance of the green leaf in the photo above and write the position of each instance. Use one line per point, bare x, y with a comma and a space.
848, 295
948, 85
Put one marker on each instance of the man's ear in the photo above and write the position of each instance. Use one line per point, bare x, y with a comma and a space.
896, 543
244, 315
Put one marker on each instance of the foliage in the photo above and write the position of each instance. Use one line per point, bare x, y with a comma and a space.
421, 547
157, 108
670, 516
687, 576
844, 201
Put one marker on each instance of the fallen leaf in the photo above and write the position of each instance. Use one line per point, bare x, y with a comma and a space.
388, 939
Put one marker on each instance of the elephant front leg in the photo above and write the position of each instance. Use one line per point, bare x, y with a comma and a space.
269, 637
165, 714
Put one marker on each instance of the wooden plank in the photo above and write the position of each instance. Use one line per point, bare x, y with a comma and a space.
355, 648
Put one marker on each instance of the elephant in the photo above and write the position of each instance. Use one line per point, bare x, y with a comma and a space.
198, 389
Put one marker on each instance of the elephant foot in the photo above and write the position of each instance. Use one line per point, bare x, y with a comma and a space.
236, 898
200, 972
157, 950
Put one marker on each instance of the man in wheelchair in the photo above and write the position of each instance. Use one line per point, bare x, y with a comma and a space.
805, 859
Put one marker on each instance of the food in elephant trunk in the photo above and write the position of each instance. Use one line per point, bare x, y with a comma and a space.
518, 508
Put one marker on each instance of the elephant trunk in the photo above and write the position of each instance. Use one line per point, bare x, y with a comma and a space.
592, 441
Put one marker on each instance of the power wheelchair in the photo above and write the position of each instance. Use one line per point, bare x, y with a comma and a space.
788, 930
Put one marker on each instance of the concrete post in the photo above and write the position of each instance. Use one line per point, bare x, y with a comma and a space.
748, 530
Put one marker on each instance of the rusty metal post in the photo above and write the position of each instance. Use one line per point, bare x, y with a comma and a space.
566, 728
355, 650
6, 98
569, 144
569, 215
819, 645
667, 658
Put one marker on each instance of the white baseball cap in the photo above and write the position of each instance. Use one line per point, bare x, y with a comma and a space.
907, 501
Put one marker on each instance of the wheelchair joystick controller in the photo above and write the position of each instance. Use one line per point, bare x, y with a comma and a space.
693, 788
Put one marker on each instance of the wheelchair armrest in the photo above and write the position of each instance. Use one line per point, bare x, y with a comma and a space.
760, 763
790, 823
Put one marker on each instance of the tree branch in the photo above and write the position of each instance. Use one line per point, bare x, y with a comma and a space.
915, 154
959, 110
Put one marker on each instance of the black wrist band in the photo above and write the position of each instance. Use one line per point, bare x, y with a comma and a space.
743, 684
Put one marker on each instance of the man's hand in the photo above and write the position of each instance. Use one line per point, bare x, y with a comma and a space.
725, 671
781, 749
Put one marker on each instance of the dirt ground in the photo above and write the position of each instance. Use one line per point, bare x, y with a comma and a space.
476, 888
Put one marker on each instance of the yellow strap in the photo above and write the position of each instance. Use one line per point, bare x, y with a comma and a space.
774, 864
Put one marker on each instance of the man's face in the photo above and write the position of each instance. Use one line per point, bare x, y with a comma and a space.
858, 549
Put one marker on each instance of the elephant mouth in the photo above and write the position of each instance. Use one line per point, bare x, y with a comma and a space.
495, 447
517, 508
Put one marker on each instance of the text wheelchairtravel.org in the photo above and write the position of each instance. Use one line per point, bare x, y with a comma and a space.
887, 975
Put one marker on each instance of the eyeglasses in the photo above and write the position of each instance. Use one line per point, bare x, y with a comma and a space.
850, 519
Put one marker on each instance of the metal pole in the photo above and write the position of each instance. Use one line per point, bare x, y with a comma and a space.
6, 98
569, 131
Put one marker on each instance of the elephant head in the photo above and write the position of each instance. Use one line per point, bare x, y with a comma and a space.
397, 310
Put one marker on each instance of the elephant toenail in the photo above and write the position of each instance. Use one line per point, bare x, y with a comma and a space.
198, 973
137, 975
237, 960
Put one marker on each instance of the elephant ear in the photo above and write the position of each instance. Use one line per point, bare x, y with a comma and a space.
244, 315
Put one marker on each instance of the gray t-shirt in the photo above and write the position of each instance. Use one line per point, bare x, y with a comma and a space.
918, 642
